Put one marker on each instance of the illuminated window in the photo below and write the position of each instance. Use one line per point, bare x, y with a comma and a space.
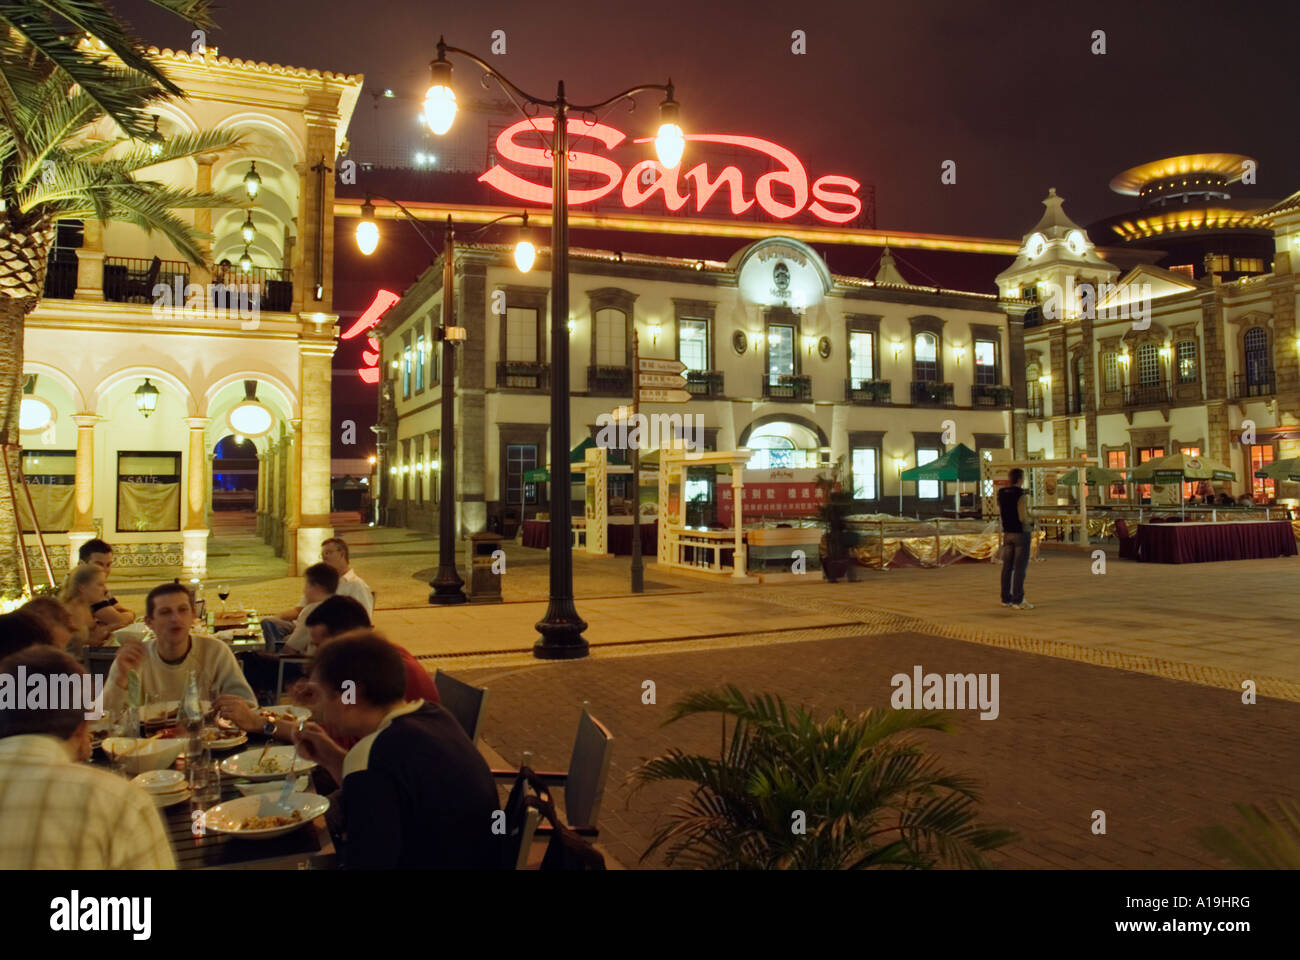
419, 362
1110, 371
1186, 269
865, 464
861, 357
780, 352
1117, 460
1218, 263
1261, 455
1190, 487
1185, 352
1148, 360
611, 338
925, 357
521, 334
148, 491
51, 477
693, 344
986, 362
927, 489
1248, 265
406, 371
419, 470
1143, 455
1259, 366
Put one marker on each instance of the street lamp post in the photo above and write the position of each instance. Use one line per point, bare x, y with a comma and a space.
448, 587
561, 628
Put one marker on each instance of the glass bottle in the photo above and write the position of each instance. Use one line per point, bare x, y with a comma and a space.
191, 713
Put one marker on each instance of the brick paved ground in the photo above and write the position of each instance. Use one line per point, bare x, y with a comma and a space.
1159, 756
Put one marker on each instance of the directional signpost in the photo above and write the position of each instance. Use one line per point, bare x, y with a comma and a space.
658, 381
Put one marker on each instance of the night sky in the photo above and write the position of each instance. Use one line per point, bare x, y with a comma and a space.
886, 92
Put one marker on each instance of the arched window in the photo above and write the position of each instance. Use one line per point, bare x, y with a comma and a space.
925, 357
1077, 385
1258, 368
1148, 364
1110, 372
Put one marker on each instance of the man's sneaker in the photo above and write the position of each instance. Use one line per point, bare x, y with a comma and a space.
1007, 604
1023, 606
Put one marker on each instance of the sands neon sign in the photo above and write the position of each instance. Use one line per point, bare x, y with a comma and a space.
833, 197
384, 299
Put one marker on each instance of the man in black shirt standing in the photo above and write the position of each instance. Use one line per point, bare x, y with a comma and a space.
416, 793
1016, 527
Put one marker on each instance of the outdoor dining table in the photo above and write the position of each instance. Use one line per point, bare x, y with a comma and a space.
308, 847
1210, 542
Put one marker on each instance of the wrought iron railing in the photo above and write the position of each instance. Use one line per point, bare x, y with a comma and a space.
523, 374
1260, 384
788, 387
990, 395
610, 381
873, 392
928, 393
704, 383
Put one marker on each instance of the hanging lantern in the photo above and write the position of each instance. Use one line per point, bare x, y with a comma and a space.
252, 180
146, 398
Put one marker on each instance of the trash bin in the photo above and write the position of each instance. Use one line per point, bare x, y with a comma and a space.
484, 583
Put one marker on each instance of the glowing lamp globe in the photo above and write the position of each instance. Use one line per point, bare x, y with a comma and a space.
669, 145
440, 108
525, 255
367, 236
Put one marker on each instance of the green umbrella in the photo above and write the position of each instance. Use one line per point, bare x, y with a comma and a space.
960, 464
1181, 467
1097, 477
1288, 469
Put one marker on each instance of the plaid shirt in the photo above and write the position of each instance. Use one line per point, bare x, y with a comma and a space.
62, 815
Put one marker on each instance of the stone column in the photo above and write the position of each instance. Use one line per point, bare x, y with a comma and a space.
293, 499
1019, 386
261, 493
202, 275
195, 532
738, 562
316, 205
313, 434
1060, 417
90, 262
83, 498
1286, 352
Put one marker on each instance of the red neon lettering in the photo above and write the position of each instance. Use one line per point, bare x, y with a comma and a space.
830, 204
666, 183
846, 199
383, 301
505, 181
706, 188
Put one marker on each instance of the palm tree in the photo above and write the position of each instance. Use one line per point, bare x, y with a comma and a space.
789, 792
61, 158
54, 29
1262, 841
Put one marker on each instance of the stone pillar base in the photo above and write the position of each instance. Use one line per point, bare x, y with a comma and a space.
195, 552
308, 545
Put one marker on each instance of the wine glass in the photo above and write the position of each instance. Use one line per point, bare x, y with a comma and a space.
223, 591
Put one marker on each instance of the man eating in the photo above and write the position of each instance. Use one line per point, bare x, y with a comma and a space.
416, 794
164, 663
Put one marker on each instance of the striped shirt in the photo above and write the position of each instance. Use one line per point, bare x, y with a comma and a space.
61, 815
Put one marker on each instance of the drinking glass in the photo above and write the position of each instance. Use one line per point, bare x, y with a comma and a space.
204, 779
223, 591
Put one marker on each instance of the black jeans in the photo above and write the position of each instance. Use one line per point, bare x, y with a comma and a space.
1015, 558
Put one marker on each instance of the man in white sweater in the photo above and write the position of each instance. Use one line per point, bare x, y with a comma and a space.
164, 663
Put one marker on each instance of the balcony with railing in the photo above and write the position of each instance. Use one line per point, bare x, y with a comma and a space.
995, 395
61, 275
1261, 383
1074, 404
928, 393
870, 392
797, 387
274, 286
1154, 394
609, 381
704, 383
523, 375
133, 279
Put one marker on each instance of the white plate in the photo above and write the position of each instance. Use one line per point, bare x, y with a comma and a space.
169, 799
157, 712
139, 755
270, 786
227, 817
158, 782
286, 711
226, 743
245, 764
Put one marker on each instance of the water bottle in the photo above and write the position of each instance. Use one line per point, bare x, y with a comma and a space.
192, 716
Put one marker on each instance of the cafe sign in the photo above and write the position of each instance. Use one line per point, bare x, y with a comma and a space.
780, 193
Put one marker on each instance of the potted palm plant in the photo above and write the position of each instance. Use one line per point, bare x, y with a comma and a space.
789, 792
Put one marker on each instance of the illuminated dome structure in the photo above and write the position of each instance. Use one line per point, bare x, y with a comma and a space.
1189, 219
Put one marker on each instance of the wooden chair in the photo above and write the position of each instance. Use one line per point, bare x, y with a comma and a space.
142, 288
584, 782
463, 701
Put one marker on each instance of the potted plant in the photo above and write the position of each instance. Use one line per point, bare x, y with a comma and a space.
836, 506
861, 788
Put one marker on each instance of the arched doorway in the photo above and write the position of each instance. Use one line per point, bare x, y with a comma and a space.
783, 444
234, 482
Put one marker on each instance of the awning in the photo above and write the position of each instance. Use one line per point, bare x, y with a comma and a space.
960, 464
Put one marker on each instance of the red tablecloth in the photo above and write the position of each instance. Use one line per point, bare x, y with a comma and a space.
537, 533
1206, 542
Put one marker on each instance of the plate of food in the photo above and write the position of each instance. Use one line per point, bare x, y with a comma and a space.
261, 817
286, 712
167, 712
266, 763
219, 736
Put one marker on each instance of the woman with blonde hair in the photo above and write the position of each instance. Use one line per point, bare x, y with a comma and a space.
83, 589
